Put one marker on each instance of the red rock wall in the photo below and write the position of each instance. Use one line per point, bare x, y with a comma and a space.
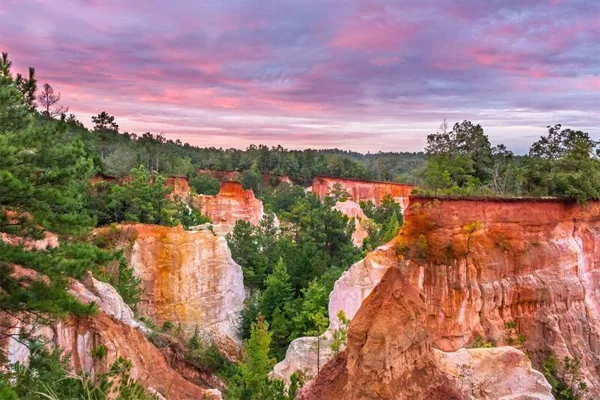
385, 360
181, 187
230, 205
363, 190
481, 264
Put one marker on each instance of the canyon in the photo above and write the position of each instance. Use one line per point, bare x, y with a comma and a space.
348, 294
460, 270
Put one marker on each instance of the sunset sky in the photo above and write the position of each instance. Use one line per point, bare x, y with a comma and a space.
353, 74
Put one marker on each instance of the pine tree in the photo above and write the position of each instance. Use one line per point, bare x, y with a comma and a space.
278, 291
256, 363
391, 229
14, 114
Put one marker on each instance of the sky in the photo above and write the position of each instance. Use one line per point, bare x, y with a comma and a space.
362, 75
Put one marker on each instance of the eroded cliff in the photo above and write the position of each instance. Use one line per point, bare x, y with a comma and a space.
363, 190
113, 327
181, 187
230, 205
187, 278
483, 264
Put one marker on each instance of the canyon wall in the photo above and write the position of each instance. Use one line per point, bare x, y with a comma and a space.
360, 190
187, 277
230, 205
181, 187
390, 356
482, 264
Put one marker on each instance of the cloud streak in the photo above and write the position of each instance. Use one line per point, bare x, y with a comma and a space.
365, 75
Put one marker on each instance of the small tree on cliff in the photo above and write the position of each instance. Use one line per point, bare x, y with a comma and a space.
340, 334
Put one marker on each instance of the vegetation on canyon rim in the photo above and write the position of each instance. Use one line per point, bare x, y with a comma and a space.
48, 158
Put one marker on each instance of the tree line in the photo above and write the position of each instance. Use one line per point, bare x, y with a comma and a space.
460, 161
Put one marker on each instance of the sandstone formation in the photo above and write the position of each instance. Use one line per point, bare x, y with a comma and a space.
188, 278
181, 187
482, 264
363, 190
353, 211
496, 373
390, 355
348, 294
115, 328
230, 205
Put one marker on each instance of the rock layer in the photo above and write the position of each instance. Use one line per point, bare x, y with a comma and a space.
230, 205
364, 190
188, 278
389, 352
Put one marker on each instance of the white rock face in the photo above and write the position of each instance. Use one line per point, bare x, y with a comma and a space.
106, 297
502, 373
348, 294
301, 355
188, 277
352, 210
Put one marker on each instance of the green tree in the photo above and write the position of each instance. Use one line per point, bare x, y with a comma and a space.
391, 229
14, 111
256, 363
278, 290
340, 334
311, 320
565, 164
460, 158
253, 179
205, 184
105, 122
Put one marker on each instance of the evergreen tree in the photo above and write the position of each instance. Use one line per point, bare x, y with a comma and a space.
256, 363
391, 229
278, 290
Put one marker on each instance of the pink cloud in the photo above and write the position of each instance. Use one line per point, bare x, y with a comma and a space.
386, 61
